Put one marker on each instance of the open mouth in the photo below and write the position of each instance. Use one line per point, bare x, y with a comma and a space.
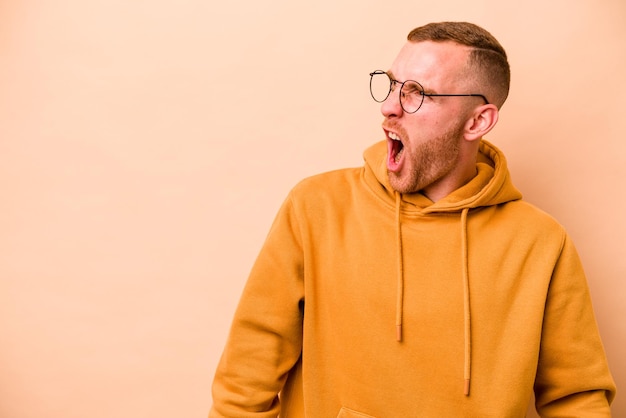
395, 151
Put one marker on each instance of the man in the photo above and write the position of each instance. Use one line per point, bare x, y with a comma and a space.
419, 285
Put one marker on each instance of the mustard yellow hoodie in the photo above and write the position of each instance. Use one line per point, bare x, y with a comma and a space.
364, 303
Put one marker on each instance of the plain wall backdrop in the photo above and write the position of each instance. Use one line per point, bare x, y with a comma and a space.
146, 146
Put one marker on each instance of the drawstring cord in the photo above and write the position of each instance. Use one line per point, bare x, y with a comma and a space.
466, 304
400, 273
467, 366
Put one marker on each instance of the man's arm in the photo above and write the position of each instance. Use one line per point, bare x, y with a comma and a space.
573, 378
265, 340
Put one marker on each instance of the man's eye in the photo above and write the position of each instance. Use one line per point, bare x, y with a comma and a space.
411, 89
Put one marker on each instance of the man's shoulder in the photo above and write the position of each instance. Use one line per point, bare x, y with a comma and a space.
530, 215
335, 180
326, 190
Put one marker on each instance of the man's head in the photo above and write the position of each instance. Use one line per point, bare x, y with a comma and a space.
463, 78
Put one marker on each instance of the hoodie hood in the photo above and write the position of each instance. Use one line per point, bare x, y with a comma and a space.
491, 186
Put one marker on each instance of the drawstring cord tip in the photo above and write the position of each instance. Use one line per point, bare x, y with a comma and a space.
467, 387
398, 333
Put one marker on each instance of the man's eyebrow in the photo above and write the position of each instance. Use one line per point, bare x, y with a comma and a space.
428, 91
425, 90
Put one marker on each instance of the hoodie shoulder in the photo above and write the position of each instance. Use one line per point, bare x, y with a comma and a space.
328, 186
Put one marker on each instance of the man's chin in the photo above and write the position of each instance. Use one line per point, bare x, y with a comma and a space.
399, 183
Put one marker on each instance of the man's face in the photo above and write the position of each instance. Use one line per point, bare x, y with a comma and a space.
424, 148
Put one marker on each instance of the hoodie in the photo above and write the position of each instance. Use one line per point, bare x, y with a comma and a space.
367, 303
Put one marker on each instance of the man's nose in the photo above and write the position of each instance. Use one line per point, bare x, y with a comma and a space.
391, 106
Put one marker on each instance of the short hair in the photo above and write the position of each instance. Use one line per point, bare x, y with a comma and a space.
487, 60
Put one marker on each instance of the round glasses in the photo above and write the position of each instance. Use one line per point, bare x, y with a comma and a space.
411, 92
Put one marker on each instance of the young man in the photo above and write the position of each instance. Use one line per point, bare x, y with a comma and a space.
419, 285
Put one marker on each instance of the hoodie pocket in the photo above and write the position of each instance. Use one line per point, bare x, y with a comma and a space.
349, 413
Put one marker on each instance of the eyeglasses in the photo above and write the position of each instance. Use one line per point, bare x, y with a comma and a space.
411, 92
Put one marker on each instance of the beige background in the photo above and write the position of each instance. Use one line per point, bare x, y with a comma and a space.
146, 146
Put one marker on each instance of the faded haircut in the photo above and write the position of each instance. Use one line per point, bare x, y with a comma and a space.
487, 61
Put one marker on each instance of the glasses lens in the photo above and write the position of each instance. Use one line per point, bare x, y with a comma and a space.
411, 96
380, 86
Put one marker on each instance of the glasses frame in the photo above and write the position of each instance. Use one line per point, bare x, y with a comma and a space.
393, 82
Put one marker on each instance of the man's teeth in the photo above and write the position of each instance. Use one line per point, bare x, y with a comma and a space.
394, 136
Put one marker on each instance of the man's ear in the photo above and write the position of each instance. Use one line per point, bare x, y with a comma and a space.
483, 119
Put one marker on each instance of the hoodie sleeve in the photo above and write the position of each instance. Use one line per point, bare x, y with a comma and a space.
265, 340
573, 378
